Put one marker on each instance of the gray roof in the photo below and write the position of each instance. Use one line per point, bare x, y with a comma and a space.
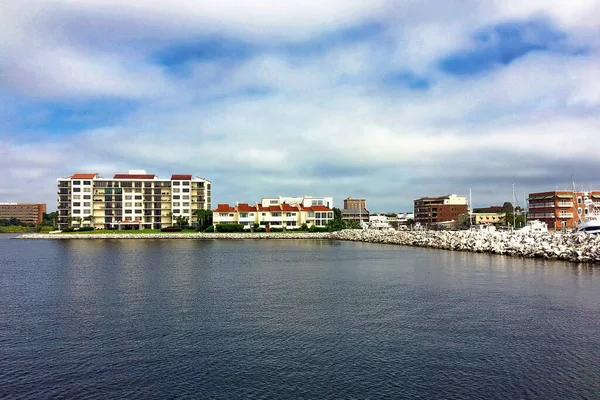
355, 211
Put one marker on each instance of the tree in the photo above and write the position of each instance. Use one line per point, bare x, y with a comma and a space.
204, 218
182, 221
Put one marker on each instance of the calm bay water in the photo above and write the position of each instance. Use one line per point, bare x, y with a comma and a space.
291, 319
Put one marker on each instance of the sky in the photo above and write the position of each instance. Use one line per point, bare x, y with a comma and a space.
384, 100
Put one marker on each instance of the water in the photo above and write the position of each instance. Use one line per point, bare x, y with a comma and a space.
291, 319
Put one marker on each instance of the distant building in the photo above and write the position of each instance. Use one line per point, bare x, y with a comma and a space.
305, 201
135, 200
490, 209
355, 210
430, 211
26, 213
355, 204
282, 215
560, 209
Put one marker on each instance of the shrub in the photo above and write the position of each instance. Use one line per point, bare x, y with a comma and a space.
318, 229
230, 228
86, 228
276, 229
171, 229
210, 228
68, 229
304, 227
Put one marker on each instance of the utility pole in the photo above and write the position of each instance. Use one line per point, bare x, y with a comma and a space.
513, 203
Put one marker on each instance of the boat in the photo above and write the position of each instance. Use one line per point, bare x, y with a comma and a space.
533, 226
590, 223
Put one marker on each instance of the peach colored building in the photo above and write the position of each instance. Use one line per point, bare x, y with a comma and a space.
560, 209
26, 213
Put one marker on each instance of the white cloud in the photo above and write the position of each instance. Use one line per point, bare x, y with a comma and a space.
326, 124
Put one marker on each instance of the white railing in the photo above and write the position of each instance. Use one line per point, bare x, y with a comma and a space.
565, 215
540, 205
565, 204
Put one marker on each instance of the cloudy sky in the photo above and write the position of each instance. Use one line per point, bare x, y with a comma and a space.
387, 100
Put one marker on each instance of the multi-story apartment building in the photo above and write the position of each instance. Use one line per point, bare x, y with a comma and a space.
355, 210
434, 210
26, 213
135, 200
561, 209
355, 204
281, 212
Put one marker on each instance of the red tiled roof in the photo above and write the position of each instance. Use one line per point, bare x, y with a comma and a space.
287, 207
320, 208
224, 208
83, 176
134, 176
243, 207
181, 177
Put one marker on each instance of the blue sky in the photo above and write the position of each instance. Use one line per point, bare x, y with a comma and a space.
387, 100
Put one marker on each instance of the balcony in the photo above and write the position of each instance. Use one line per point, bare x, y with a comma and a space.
565, 204
542, 205
565, 215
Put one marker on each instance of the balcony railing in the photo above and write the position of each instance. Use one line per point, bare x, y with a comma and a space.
541, 205
565, 204
565, 215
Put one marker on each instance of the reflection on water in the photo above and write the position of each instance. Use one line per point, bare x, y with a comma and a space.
282, 318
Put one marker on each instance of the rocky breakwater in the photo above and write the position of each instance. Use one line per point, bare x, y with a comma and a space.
574, 247
108, 235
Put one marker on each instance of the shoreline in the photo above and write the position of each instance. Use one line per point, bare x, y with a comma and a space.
196, 235
572, 247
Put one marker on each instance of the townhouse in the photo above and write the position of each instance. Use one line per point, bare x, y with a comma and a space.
281, 212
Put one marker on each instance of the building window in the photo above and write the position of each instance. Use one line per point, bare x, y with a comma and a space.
76, 204
138, 197
127, 211
176, 204
87, 197
186, 204
76, 189
76, 197
138, 204
186, 197
185, 190
128, 197
176, 197
76, 182
176, 211
176, 183
176, 190
86, 204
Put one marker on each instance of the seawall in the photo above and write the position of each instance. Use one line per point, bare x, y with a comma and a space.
575, 247
195, 235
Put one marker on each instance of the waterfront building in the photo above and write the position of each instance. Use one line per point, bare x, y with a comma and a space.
560, 209
282, 215
355, 210
355, 204
430, 211
26, 213
304, 201
136, 200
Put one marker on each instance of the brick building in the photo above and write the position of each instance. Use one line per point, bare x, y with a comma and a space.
561, 209
434, 210
26, 213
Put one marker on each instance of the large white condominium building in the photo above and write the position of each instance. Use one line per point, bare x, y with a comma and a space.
136, 200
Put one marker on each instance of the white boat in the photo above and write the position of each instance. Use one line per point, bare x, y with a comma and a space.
533, 226
590, 223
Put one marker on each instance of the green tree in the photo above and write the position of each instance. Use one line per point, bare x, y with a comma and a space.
204, 218
182, 221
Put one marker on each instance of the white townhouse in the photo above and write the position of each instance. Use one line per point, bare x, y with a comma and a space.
282, 212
